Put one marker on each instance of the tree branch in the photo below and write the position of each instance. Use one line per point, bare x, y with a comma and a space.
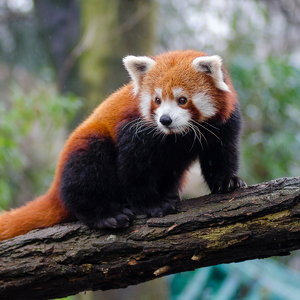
257, 222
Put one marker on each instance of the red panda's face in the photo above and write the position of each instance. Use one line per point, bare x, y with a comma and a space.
178, 89
176, 110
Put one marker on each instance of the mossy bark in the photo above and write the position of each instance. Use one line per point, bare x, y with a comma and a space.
257, 222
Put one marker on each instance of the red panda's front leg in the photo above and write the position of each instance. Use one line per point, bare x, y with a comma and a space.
146, 201
150, 171
219, 157
90, 188
147, 189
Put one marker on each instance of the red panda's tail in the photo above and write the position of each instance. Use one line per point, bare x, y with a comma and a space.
44, 211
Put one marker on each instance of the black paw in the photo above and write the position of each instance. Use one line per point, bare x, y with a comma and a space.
120, 220
227, 185
165, 207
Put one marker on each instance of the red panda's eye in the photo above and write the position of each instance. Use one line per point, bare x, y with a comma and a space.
157, 101
182, 100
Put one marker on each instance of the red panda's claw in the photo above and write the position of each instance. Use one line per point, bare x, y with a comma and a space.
128, 212
168, 208
155, 212
228, 185
107, 223
165, 208
121, 220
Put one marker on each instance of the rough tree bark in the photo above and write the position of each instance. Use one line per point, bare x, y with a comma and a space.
257, 222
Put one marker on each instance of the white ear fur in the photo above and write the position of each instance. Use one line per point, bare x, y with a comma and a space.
211, 65
137, 66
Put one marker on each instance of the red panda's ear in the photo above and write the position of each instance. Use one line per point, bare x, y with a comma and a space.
137, 66
211, 65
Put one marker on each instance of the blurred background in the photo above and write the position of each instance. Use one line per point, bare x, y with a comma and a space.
60, 59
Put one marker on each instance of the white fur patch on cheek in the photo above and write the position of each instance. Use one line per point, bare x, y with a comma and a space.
145, 104
204, 104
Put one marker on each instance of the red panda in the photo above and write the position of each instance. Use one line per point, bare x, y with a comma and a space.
130, 156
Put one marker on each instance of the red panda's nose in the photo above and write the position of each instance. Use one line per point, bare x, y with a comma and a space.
165, 120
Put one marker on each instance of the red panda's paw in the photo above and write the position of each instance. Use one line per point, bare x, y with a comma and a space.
120, 220
228, 185
165, 207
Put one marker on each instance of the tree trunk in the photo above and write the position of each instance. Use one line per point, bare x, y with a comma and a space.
257, 222
112, 30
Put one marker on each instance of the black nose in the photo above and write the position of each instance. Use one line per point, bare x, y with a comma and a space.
165, 120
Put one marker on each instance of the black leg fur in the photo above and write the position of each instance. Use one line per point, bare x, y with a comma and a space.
151, 167
219, 157
90, 187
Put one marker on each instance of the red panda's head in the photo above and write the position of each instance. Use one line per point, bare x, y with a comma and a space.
179, 87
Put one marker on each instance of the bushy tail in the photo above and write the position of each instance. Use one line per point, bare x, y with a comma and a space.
44, 211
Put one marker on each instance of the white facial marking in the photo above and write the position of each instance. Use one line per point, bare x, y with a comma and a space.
136, 67
211, 65
204, 104
145, 104
158, 92
179, 117
178, 92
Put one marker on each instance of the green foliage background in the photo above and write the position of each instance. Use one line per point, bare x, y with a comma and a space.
269, 95
44, 111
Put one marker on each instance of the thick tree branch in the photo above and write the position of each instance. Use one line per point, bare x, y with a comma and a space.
256, 222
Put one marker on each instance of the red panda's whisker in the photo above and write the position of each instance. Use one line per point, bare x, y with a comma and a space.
195, 137
198, 133
211, 125
132, 123
210, 131
201, 125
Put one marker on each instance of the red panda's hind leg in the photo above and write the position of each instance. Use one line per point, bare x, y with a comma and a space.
90, 188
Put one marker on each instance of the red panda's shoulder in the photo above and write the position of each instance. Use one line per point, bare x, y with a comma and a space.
105, 118
102, 123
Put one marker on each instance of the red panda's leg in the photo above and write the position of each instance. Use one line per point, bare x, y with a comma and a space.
150, 171
219, 157
90, 187
146, 187
143, 199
